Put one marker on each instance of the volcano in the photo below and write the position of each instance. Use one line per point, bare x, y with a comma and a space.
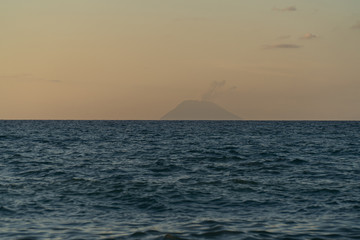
199, 110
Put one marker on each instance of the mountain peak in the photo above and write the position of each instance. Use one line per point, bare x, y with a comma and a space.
199, 110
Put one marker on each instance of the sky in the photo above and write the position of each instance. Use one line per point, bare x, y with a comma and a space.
138, 59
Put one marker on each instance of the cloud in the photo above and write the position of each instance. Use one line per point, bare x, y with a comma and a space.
283, 46
213, 90
28, 77
284, 37
356, 26
217, 89
55, 81
308, 36
190, 19
287, 9
16, 76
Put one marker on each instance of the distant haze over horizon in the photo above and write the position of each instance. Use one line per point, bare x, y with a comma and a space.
137, 60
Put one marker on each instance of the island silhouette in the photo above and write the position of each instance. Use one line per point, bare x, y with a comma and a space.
199, 110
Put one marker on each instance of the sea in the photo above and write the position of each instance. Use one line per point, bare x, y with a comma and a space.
179, 179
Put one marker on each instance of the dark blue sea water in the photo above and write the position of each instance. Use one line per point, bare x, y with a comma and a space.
179, 180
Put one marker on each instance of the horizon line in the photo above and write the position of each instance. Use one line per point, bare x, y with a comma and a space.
174, 120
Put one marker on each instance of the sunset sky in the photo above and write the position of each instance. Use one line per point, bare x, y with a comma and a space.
138, 59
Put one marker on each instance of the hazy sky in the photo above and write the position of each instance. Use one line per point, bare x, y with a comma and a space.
138, 59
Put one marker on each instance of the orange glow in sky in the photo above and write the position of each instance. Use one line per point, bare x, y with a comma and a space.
138, 59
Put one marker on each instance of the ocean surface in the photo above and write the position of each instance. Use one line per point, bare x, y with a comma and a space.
179, 180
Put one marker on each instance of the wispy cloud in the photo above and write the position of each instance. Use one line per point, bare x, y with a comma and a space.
16, 76
27, 77
190, 19
216, 90
356, 26
213, 90
283, 46
55, 81
284, 37
308, 36
287, 9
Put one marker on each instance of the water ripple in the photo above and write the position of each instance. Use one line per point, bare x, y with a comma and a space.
179, 180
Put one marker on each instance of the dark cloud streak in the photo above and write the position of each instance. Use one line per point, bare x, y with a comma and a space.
287, 9
283, 46
27, 77
16, 76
